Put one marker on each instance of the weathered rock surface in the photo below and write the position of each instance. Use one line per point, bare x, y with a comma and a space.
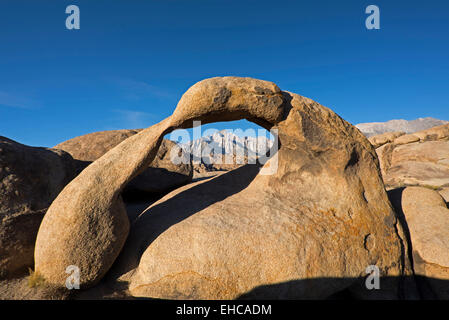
435, 133
30, 178
428, 222
444, 192
90, 147
323, 214
87, 225
421, 158
406, 139
420, 164
161, 175
384, 153
384, 138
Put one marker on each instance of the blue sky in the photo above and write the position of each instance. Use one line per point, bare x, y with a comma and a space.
131, 61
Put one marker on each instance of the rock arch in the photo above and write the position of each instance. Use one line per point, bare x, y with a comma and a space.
87, 225
328, 180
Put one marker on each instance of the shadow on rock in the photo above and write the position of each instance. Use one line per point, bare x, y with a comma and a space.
303, 289
181, 204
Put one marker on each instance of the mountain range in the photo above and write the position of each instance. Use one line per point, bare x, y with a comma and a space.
408, 126
224, 143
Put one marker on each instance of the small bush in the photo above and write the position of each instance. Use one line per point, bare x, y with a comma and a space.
35, 279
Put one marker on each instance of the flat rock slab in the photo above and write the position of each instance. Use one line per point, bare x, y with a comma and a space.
428, 221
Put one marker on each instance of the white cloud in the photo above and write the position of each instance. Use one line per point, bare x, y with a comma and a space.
131, 119
15, 101
137, 90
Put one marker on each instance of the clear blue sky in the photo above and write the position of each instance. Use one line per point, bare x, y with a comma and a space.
131, 60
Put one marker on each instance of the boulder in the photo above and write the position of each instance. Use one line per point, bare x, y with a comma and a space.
385, 153
384, 138
427, 218
161, 176
421, 158
321, 214
435, 133
30, 179
90, 147
406, 139
87, 224
310, 230
425, 164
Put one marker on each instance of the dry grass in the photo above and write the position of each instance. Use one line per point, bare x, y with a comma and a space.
436, 188
35, 279
41, 290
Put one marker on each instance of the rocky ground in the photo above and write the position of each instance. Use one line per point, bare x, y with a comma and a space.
139, 226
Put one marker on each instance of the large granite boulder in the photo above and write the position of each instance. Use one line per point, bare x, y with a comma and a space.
322, 213
425, 164
30, 179
421, 158
381, 139
87, 224
427, 218
91, 146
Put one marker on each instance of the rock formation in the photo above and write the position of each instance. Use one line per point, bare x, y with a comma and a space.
91, 146
381, 139
421, 158
428, 221
315, 218
86, 225
323, 214
162, 174
30, 179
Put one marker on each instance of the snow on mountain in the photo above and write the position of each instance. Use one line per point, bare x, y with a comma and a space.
224, 144
374, 128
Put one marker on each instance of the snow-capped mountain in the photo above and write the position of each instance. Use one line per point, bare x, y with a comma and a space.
227, 147
408, 126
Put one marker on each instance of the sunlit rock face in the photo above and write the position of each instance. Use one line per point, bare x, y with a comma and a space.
321, 213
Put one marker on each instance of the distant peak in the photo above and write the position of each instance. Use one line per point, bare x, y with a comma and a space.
408, 126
